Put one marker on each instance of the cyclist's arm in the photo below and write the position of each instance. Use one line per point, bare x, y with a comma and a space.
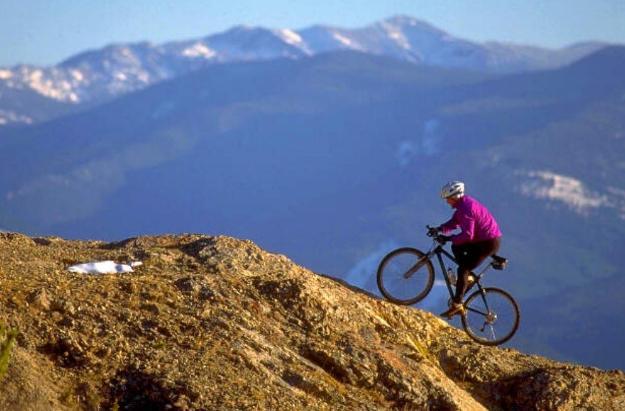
450, 225
467, 225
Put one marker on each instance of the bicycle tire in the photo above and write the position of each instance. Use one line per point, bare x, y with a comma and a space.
394, 286
500, 302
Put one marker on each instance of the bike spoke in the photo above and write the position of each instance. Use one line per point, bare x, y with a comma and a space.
494, 325
474, 310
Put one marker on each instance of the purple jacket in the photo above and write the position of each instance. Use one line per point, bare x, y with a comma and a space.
475, 221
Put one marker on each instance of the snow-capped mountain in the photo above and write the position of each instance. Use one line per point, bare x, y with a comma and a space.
99, 75
571, 192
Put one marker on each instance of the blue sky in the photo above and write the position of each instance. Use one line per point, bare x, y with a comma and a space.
48, 31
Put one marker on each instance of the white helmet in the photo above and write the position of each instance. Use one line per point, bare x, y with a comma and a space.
452, 189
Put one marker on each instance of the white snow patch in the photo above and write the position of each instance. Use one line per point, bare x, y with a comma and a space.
77, 75
35, 75
5, 74
199, 50
570, 191
104, 267
290, 36
50, 83
397, 36
345, 40
400, 39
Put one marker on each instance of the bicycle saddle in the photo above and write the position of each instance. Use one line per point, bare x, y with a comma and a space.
499, 262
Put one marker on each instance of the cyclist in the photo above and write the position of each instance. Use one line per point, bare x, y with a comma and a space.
479, 237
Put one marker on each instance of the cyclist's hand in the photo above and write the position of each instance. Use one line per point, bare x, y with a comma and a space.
433, 231
443, 238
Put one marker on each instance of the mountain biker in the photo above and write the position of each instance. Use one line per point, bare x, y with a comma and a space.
479, 237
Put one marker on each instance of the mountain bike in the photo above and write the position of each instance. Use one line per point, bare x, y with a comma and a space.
406, 276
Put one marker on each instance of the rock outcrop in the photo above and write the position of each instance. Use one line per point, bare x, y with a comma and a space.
217, 323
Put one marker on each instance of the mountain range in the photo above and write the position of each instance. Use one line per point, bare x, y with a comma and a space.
29, 94
336, 158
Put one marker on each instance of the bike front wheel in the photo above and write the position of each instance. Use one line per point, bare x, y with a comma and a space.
491, 316
405, 276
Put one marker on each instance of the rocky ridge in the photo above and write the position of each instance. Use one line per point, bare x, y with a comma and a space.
218, 323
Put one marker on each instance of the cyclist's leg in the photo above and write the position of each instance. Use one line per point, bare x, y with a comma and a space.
469, 256
460, 253
475, 253
464, 257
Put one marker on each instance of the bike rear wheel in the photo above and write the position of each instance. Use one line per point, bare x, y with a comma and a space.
491, 316
405, 276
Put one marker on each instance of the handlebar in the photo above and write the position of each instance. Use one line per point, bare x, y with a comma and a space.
436, 234
432, 231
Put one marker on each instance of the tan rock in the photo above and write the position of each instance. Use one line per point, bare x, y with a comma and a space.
218, 323
40, 299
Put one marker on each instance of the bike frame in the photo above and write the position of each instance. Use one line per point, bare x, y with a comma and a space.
477, 310
438, 250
